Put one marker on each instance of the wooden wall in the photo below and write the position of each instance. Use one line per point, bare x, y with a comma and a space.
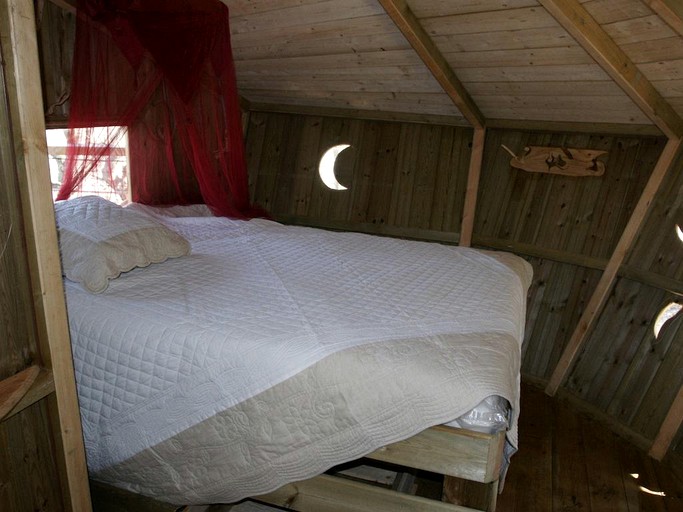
29, 477
409, 180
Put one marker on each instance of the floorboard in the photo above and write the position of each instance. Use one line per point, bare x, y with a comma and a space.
569, 462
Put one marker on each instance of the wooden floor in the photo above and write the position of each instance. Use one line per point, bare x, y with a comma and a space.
567, 462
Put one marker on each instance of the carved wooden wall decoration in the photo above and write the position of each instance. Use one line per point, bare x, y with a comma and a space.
561, 160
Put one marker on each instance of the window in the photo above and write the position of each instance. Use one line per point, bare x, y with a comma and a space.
112, 169
326, 167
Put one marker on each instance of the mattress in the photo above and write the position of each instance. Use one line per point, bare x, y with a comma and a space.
272, 353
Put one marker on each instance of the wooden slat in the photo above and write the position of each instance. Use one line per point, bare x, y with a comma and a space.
406, 21
472, 191
669, 428
671, 11
597, 301
579, 23
43, 386
42, 245
333, 494
448, 451
14, 389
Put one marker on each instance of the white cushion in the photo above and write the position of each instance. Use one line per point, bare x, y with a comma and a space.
99, 240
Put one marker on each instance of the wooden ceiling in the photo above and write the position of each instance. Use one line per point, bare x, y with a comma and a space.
596, 61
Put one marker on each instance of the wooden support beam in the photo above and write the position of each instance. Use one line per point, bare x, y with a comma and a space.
25, 96
409, 25
589, 34
597, 301
671, 11
469, 209
669, 428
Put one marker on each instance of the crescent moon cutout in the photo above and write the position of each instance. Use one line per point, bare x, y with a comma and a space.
679, 232
326, 168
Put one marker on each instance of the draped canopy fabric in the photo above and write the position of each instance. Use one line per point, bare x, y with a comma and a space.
161, 70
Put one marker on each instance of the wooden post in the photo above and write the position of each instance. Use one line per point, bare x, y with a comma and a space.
669, 427
599, 297
41, 241
472, 190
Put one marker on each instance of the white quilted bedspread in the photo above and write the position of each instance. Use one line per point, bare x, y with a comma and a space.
167, 346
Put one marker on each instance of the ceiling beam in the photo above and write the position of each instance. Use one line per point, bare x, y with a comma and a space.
600, 295
589, 34
671, 11
416, 35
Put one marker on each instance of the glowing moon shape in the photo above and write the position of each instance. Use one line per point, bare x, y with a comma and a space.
679, 232
666, 314
326, 168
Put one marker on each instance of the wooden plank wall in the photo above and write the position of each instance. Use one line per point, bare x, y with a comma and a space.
401, 177
56, 35
409, 180
28, 473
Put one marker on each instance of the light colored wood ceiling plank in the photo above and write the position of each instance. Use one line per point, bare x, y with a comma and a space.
484, 22
600, 295
559, 73
648, 130
554, 89
655, 50
349, 113
329, 45
309, 85
247, 7
647, 28
607, 109
663, 70
408, 24
564, 55
351, 59
547, 37
670, 88
322, 34
309, 15
431, 8
578, 22
671, 11
610, 11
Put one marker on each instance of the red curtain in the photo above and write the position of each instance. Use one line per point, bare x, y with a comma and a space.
163, 71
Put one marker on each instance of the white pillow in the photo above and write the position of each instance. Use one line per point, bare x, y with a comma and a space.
99, 240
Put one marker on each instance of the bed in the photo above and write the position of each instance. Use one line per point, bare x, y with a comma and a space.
219, 359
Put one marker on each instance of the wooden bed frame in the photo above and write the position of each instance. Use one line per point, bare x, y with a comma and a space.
454, 453
463, 456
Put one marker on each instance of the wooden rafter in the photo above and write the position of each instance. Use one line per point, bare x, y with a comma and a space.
589, 34
411, 28
671, 11
599, 297
669, 427
476, 159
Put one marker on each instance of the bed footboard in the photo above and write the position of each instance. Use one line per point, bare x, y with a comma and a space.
455, 453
